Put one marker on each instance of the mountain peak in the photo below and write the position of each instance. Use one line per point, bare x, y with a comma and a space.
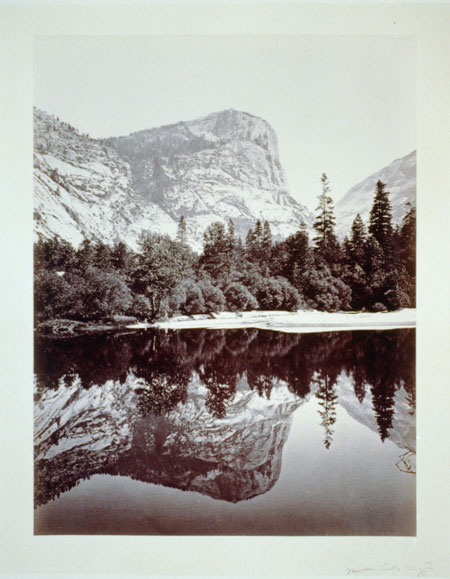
209, 131
232, 124
220, 166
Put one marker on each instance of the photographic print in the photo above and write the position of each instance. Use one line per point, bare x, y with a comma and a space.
225, 285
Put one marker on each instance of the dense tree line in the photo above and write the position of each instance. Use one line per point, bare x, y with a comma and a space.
372, 269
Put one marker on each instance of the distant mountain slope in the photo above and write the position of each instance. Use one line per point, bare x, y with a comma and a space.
84, 189
400, 180
219, 166
223, 165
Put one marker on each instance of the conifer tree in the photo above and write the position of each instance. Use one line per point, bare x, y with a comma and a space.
408, 241
249, 242
182, 232
267, 240
231, 238
265, 249
231, 244
325, 240
326, 395
254, 244
407, 251
357, 240
381, 217
258, 231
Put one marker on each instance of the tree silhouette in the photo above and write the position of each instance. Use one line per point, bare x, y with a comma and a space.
326, 394
381, 217
325, 240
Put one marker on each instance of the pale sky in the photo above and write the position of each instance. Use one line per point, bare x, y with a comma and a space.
344, 105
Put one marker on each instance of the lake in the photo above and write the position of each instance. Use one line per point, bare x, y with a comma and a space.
226, 432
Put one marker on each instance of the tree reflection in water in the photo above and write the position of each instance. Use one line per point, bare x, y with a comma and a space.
166, 361
326, 394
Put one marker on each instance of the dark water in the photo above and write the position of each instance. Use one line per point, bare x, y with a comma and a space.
226, 432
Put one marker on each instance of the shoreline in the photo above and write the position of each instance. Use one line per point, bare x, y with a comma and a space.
301, 321
296, 322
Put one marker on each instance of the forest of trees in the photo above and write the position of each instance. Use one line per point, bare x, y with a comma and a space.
372, 270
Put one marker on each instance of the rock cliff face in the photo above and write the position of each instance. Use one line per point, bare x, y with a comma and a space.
225, 165
220, 166
400, 180
80, 432
82, 188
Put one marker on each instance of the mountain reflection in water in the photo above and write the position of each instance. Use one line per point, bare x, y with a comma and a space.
208, 410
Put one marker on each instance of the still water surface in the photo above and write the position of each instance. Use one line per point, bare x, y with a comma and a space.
226, 432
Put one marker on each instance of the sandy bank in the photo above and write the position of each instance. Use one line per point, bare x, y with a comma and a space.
300, 321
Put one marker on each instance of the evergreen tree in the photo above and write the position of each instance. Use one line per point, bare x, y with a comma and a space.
258, 231
353, 273
231, 243
359, 386
383, 398
257, 249
408, 241
374, 267
326, 394
325, 240
231, 231
407, 255
266, 240
357, 240
381, 217
182, 232
249, 242
255, 244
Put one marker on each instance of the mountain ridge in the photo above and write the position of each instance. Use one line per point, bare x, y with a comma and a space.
219, 166
223, 165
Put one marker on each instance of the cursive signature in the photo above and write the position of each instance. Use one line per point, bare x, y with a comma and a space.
420, 570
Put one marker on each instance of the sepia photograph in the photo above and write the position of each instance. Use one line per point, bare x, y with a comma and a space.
224, 297
224, 286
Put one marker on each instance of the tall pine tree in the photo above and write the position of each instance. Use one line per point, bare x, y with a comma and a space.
408, 241
182, 232
255, 243
325, 240
381, 217
357, 240
267, 240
